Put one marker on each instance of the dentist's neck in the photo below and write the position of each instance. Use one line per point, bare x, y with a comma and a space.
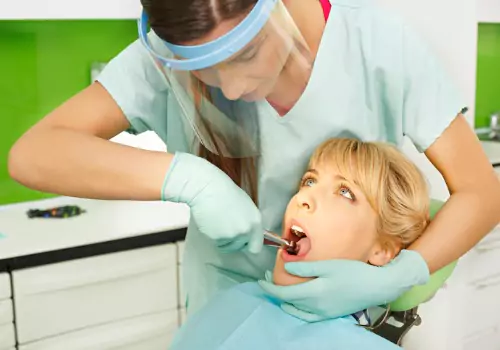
310, 20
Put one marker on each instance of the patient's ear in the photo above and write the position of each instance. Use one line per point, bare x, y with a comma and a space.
382, 253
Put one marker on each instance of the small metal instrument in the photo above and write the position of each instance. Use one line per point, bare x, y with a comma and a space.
274, 240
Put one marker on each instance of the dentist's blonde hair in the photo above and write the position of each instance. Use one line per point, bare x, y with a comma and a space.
395, 188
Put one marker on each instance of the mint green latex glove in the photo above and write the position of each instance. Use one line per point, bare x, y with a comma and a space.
343, 287
220, 209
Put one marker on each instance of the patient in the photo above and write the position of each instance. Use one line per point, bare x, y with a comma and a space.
358, 200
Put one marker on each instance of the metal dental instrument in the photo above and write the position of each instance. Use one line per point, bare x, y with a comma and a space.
273, 240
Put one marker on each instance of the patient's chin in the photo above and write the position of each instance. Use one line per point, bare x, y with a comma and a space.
282, 278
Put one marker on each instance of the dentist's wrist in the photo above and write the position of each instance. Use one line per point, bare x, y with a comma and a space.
187, 176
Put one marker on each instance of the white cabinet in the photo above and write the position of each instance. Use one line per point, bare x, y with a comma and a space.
182, 316
126, 299
182, 294
64, 297
7, 336
488, 11
5, 291
7, 332
150, 332
484, 259
63, 9
482, 309
6, 312
487, 340
481, 279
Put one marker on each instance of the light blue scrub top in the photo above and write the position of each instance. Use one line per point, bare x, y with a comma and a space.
245, 318
373, 79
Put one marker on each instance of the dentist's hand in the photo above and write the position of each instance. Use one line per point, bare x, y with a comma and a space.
221, 210
343, 287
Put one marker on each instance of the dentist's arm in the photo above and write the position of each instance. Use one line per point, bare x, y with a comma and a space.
68, 153
473, 208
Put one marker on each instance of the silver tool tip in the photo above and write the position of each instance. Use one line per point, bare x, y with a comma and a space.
292, 248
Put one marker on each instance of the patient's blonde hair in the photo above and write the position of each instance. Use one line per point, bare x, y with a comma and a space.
393, 185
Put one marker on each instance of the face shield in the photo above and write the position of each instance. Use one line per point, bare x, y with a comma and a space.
217, 84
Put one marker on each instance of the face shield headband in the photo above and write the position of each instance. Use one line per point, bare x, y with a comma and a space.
207, 55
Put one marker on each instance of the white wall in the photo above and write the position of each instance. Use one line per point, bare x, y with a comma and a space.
488, 11
450, 26
69, 9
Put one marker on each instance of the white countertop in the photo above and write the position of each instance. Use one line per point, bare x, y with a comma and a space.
103, 221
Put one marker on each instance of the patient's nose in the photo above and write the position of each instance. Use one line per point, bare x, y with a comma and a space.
306, 201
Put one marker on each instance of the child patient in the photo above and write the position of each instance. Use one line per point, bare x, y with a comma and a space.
358, 200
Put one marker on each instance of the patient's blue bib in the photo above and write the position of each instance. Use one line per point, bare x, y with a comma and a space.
244, 317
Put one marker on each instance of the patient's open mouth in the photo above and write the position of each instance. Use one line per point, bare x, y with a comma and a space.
299, 236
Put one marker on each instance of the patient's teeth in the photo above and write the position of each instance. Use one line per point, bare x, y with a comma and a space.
298, 231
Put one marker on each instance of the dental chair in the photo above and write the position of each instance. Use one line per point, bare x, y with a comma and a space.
404, 310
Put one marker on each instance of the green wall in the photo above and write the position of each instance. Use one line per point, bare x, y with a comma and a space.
488, 73
42, 64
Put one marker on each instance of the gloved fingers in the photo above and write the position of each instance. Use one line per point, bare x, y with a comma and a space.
290, 294
327, 268
231, 245
303, 315
223, 242
256, 242
311, 268
269, 276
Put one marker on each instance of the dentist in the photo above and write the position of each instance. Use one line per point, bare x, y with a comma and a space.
242, 92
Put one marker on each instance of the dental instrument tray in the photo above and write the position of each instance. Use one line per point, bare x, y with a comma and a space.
62, 212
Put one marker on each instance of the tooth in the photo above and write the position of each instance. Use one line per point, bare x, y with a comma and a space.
298, 231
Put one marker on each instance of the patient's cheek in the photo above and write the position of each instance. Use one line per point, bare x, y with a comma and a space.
283, 278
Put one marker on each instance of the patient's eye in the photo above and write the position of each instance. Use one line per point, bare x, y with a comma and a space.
346, 192
307, 181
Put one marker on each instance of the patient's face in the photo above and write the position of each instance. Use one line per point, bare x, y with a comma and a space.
337, 220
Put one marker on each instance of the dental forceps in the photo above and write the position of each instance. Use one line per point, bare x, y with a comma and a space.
274, 240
